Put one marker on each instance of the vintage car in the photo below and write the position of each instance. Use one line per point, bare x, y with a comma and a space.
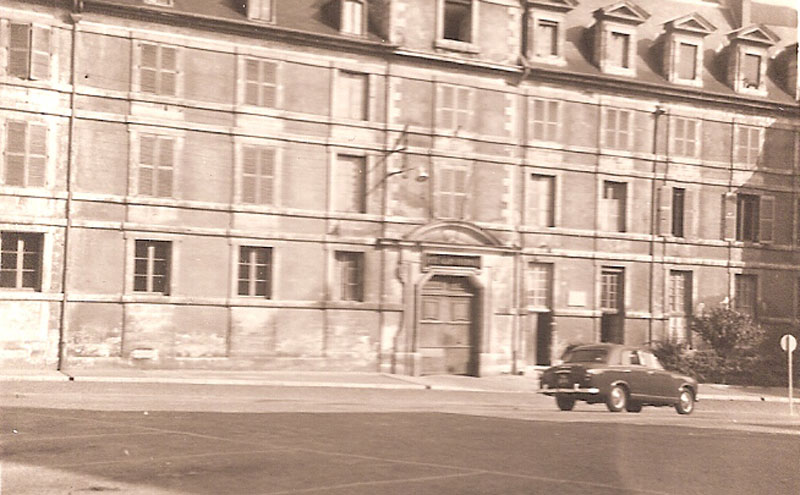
620, 376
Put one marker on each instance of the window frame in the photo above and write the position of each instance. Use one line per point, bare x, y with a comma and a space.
25, 155
456, 199
747, 217
135, 186
616, 131
470, 45
750, 305
261, 146
30, 52
362, 208
344, 20
752, 152
532, 209
678, 227
552, 110
260, 83
457, 113
680, 140
344, 86
25, 237
622, 207
252, 284
255, 10
149, 275
138, 68
539, 284
342, 282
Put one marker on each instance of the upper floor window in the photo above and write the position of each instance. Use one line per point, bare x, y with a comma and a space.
678, 211
156, 165
352, 96
755, 218
748, 144
260, 10
350, 271
151, 272
258, 175
260, 86
686, 139
454, 107
540, 285
20, 260
613, 206
451, 187
546, 119
619, 49
158, 69
751, 71
350, 184
547, 38
160, 3
683, 56
353, 17
749, 52
458, 20
617, 128
687, 61
541, 201
25, 154
615, 37
745, 294
29, 51
255, 271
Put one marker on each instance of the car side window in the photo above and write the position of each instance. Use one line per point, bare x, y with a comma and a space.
634, 358
650, 360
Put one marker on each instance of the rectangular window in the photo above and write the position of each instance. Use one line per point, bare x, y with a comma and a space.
258, 175
744, 299
458, 20
546, 38
350, 187
351, 275
617, 128
156, 165
152, 267
352, 95
678, 208
747, 217
611, 289
618, 49
751, 71
29, 51
255, 271
454, 107
680, 292
748, 144
687, 61
353, 17
545, 121
451, 192
158, 71
260, 82
686, 137
541, 201
540, 285
25, 154
260, 10
20, 260
614, 204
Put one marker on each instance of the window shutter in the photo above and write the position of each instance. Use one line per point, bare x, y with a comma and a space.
687, 60
19, 50
729, 216
446, 106
464, 105
249, 170
40, 53
166, 165
623, 137
16, 138
691, 213
445, 181
766, 219
269, 83
169, 71
148, 68
37, 155
251, 81
147, 147
460, 179
372, 97
664, 210
610, 125
552, 120
267, 175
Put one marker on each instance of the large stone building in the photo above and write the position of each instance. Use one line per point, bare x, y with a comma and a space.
409, 186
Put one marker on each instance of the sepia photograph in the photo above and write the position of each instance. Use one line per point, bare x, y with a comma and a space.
393, 247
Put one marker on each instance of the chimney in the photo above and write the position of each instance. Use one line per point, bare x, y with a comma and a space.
741, 11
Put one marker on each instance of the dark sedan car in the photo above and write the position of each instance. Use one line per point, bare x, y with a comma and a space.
620, 376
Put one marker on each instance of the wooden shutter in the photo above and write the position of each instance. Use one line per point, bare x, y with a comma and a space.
148, 68
460, 188
464, 105
16, 139
147, 150
766, 219
664, 210
553, 120
40, 53
729, 216
624, 129
445, 182
350, 184
249, 173
267, 179
687, 61
251, 81
446, 104
691, 213
168, 71
37, 155
269, 83
19, 50
610, 128
166, 164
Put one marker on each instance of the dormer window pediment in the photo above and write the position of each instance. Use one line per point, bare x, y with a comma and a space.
552, 5
757, 34
747, 68
546, 32
683, 53
615, 37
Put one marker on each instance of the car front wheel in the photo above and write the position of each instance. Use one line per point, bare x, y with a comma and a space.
565, 402
617, 398
685, 404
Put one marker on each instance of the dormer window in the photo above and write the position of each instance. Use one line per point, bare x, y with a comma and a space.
160, 3
260, 10
615, 37
353, 17
747, 69
457, 25
683, 52
545, 31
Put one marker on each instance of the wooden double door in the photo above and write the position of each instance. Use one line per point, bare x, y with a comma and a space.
448, 330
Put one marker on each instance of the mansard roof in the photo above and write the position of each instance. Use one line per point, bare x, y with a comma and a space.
693, 23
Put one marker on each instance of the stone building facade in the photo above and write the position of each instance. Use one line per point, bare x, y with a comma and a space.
407, 186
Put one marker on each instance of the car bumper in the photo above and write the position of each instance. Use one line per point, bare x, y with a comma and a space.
570, 391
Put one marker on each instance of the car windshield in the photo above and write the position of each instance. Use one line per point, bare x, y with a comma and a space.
587, 356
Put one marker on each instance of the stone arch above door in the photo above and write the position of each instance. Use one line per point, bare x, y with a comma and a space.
453, 232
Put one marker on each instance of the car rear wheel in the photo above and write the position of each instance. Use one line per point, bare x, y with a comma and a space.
617, 398
685, 404
565, 402
634, 407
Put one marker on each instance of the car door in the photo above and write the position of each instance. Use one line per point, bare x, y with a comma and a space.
635, 374
658, 383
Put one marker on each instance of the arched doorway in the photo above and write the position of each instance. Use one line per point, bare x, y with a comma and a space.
448, 329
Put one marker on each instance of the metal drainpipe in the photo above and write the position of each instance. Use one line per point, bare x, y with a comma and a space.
654, 221
62, 322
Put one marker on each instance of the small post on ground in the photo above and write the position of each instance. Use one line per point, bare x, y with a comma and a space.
789, 344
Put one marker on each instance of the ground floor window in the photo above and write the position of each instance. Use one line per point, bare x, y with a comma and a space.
20, 260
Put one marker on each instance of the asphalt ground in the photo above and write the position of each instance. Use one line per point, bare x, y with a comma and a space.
170, 439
